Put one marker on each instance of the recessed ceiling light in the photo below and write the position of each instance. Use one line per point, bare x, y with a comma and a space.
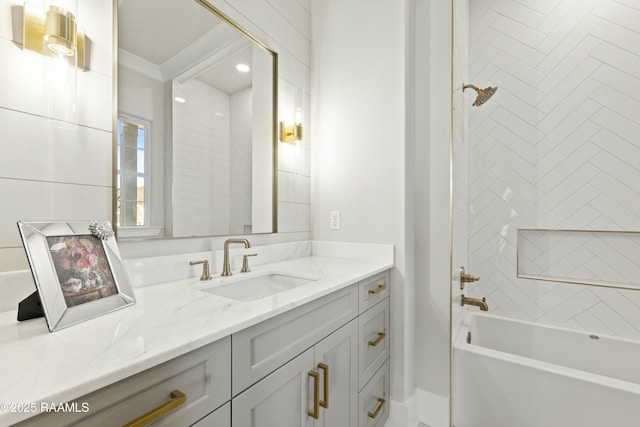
243, 68
180, 99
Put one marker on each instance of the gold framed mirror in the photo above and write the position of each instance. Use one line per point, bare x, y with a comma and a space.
195, 135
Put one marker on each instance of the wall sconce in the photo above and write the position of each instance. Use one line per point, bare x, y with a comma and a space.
292, 132
54, 34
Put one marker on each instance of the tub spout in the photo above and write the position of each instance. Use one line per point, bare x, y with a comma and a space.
482, 303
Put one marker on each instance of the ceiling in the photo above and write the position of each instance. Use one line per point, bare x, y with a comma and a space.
169, 36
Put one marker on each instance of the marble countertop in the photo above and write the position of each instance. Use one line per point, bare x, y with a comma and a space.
168, 320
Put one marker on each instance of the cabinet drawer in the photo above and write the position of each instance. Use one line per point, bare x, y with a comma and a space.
374, 399
374, 340
203, 375
373, 290
221, 417
262, 348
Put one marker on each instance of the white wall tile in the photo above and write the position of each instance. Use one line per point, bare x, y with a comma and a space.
34, 149
293, 217
15, 286
556, 148
273, 26
296, 14
294, 188
96, 16
22, 87
13, 259
44, 201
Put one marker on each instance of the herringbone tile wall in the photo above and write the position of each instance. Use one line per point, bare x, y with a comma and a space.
557, 147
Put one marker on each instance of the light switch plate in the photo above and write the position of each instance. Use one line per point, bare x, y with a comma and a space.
334, 220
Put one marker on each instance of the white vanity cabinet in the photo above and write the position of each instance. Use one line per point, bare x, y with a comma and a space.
317, 388
374, 351
322, 364
319, 348
180, 392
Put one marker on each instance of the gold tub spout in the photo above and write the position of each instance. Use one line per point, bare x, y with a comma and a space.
482, 303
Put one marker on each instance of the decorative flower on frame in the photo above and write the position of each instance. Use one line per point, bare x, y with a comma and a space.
101, 229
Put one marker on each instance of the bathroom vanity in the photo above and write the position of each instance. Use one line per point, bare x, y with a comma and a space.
315, 354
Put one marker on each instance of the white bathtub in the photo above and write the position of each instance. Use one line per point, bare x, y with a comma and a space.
521, 374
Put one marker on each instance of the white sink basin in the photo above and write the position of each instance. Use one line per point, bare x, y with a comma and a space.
256, 287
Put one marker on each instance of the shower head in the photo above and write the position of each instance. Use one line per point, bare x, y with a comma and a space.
483, 94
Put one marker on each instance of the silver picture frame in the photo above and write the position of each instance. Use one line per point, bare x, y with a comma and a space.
77, 270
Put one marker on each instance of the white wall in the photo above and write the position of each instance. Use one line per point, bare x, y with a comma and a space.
358, 132
50, 173
68, 173
555, 148
433, 208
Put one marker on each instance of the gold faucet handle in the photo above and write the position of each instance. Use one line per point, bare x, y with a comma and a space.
206, 273
245, 263
468, 278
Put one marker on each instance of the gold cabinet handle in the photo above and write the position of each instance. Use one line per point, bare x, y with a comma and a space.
381, 336
178, 398
375, 413
325, 368
378, 289
316, 395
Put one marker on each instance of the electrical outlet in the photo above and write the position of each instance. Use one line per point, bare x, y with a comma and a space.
334, 220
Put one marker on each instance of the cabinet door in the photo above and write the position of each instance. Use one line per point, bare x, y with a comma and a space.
221, 417
281, 399
337, 363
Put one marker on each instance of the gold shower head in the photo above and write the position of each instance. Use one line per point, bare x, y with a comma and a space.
483, 94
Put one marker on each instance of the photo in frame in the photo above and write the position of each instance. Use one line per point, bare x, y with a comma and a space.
77, 270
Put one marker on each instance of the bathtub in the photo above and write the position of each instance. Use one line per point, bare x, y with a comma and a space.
522, 374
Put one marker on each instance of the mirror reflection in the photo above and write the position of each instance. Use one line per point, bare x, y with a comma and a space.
195, 126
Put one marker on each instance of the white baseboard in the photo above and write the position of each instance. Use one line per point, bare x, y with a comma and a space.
403, 414
433, 409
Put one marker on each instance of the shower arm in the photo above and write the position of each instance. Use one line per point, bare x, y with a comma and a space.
474, 87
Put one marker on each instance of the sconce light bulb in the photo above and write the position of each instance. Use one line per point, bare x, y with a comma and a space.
243, 68
59, 49
180, 99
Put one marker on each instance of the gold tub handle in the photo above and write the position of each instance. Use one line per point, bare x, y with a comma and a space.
378, 289
315, 413
375, 413
178, 398
381, 336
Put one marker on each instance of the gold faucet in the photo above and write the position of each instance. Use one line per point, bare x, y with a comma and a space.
482, 303
226, 268
206, 273
467, 278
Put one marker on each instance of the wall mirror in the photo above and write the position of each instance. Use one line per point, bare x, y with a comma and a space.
196, 134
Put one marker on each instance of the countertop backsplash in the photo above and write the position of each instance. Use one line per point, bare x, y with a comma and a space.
17, 285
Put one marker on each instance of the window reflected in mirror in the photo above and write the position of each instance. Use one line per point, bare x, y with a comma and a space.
132, 172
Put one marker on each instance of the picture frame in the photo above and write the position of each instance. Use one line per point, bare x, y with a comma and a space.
77, 270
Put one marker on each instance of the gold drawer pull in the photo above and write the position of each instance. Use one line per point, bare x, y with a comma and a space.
378, 289
375, 413
381, 336
325, 402
178, 398
316, 395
